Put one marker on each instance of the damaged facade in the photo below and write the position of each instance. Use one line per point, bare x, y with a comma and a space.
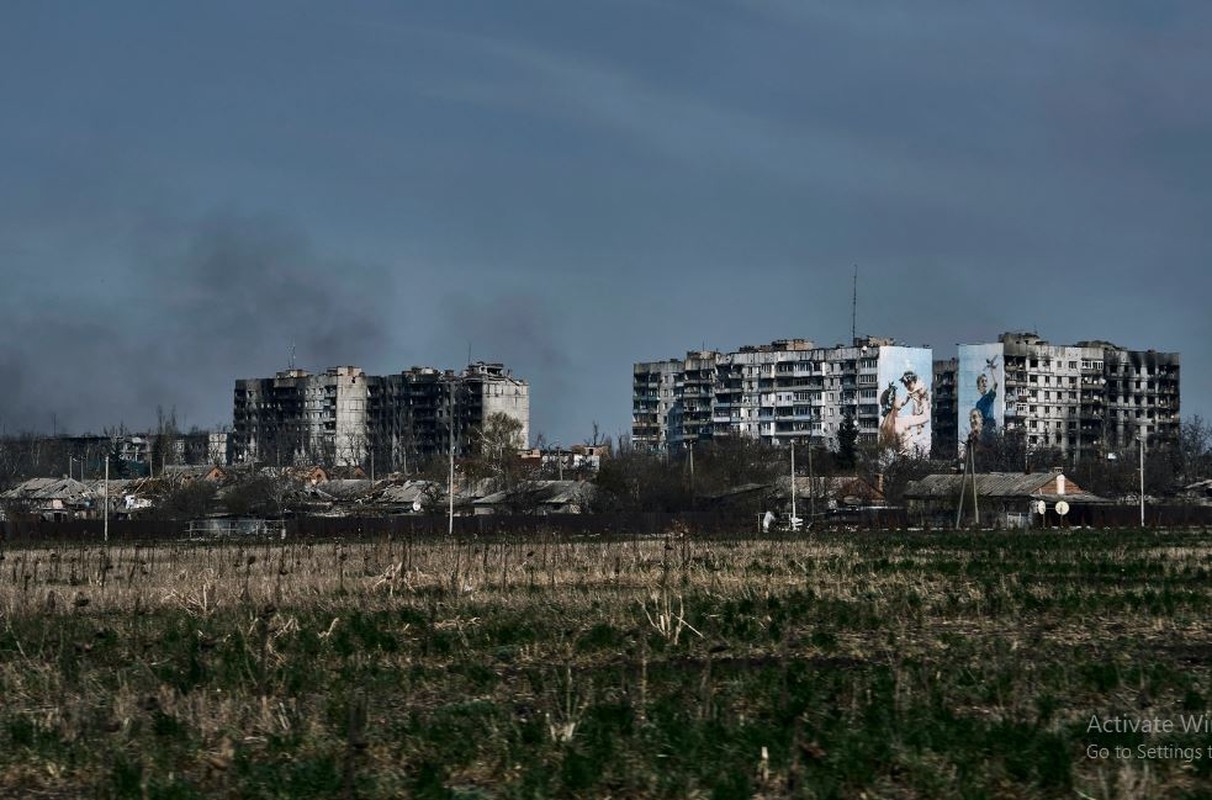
345, 417
788, 390
1088, 399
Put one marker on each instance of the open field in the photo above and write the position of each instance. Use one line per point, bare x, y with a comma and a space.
868, 664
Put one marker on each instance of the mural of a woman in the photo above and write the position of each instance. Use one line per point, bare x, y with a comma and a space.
911, 426
903, 378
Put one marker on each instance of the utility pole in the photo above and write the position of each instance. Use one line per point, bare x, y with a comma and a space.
959, 507
854, 308
811, 485
976, 509
105, 501
450, 487
969, 467
1141, 438
794, 525
692, 470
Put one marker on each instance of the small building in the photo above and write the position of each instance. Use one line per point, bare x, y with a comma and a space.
187, 473
540, 497
408, 497
52, 499
1001, 499
835, 492
1199, 491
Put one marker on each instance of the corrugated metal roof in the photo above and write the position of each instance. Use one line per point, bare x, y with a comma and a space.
409, 492
835, 486
545, 492
48, 489
996, 484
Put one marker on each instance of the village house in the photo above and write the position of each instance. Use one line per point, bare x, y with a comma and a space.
998, 500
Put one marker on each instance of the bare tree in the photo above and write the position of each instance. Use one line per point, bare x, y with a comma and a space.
164, 445
495, 447
1195, 460
265, 495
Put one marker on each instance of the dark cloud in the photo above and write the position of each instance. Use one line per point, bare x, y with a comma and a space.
256, 287
237, 296
574, 187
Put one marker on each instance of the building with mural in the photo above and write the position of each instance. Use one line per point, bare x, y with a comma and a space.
1088, 399
788, 390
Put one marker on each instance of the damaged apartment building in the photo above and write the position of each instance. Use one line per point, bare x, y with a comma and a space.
789, 390
1088, 400
345, 417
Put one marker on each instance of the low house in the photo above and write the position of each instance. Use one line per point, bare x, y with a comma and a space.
999, 500
822, 495
126, 495
746, 497
409, 497
52, 499
1199, 491
540, 497
187, 473
834, 492
301, 475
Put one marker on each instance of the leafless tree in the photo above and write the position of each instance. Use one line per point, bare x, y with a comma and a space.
495, 447
1195, 459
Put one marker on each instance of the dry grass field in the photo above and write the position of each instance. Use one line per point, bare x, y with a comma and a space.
861, 665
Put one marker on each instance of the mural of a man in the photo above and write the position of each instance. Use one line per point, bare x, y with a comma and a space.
986, 387
976, 425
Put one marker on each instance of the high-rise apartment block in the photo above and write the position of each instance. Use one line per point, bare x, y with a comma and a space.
422, 412
789, 390
652, 399
945, 433
1087, 399
296, 416
345, 417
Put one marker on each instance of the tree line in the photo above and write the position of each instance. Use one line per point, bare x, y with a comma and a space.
632, 479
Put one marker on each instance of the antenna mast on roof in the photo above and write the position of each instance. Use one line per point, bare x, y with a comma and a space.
292, 356
854, 308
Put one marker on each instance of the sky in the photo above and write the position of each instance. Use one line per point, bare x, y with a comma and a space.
198, 192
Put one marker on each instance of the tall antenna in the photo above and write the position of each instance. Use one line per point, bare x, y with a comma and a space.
854, 308
292, 355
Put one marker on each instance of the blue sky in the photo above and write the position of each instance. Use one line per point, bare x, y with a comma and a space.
191, 190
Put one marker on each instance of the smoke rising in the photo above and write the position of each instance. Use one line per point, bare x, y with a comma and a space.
524, 332
196, 309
